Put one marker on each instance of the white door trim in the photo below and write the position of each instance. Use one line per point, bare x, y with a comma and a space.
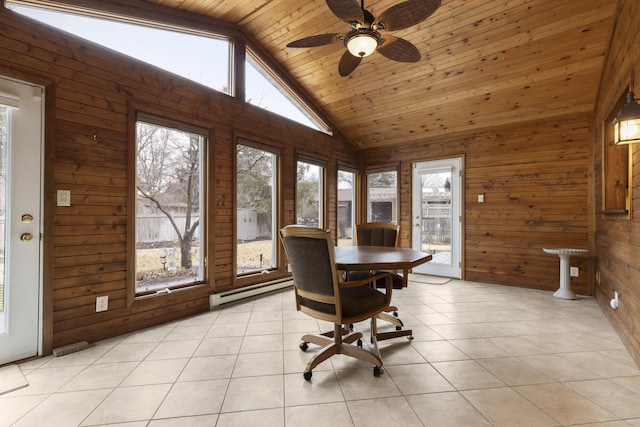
30, 172
454, 166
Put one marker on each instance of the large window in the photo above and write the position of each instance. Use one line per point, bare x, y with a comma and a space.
310, 194
382, 196
201, 58
170, 211
256, 208
346, 207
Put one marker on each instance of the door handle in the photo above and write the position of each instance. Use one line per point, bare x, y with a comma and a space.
26, 237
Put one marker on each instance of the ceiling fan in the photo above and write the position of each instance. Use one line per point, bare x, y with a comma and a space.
364, 35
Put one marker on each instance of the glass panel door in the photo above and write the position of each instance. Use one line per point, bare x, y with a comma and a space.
436, 215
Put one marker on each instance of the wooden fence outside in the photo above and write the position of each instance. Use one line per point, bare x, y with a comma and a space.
152, 228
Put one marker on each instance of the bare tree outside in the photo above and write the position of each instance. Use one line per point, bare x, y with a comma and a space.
346, 179
382, 179
168, 185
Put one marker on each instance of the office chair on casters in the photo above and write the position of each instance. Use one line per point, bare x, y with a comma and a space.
321, 294
383, 234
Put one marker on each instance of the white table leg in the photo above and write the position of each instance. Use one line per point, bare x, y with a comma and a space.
564, 292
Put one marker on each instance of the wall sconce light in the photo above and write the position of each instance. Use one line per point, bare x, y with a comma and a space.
626, 125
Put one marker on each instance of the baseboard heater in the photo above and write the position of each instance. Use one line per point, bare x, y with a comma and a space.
216, 300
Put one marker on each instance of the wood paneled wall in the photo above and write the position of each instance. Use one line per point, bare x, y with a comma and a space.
535, 178
90, 92
541, 182
617, 239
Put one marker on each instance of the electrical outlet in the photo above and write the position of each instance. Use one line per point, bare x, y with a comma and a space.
102, 303
574, 271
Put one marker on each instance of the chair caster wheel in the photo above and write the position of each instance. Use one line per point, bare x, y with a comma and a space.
410, 337
351, 327
307, 375
398, 328
376, 371
395, 313
359, 343
304, 346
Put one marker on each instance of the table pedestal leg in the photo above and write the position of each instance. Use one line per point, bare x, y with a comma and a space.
564, 292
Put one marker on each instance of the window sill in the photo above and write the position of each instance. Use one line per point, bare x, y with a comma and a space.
615, 212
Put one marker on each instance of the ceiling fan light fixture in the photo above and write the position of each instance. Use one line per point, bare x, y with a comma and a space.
362, 42
365, 37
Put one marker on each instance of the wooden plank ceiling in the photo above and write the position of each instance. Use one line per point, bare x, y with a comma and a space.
485, 63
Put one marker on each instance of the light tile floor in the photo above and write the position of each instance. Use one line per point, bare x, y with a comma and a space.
482, 355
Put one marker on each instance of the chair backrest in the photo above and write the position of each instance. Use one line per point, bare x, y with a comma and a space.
312, 259
377, 234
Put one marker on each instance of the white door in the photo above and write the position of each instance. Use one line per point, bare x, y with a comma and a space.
437, 201
21, 136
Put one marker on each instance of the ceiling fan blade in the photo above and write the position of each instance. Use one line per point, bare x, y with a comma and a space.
348, 63
407, 14
318, 40
347, 10
399, 49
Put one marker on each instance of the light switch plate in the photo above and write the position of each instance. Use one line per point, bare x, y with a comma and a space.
480, 198
574, 271
64, 198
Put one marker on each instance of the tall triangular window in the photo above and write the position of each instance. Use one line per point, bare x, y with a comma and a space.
265, 91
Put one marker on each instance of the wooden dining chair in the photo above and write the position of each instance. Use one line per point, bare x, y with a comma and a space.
321, 294
388, 235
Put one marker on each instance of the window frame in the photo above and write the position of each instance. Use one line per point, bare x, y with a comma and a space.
322, 198
257, 276
354, 201
189, 124
367, 207
285, 89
